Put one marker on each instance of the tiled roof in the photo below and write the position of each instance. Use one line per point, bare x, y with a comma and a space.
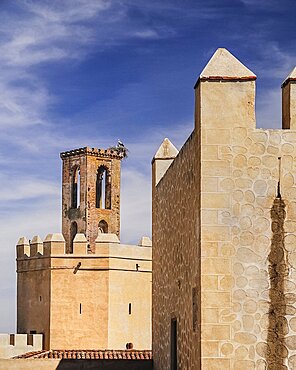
90, 354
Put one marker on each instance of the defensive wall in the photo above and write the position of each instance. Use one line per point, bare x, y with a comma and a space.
85, 300
224, 226
16, 344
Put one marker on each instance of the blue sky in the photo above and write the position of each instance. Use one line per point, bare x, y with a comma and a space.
86, 72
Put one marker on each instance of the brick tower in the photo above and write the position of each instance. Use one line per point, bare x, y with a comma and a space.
90, 194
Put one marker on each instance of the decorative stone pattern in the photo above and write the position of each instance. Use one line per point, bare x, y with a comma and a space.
229, 229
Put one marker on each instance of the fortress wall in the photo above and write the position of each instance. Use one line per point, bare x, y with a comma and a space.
67, 296
176, 258
16, 344
247, 229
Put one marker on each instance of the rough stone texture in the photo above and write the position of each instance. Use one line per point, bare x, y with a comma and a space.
224, 221
86, 214
81, 300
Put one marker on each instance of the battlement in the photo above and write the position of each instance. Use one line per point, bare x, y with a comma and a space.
105, 153
54, 244
16, 344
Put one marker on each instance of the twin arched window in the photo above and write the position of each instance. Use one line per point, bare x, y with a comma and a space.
103, 188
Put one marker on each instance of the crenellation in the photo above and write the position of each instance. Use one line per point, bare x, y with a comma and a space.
54, 244
80, 244
36, 246
108, 153
145, 241
23, 248
16, 344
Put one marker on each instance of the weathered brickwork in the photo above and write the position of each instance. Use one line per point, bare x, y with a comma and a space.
83, 289
86, 213
228, 229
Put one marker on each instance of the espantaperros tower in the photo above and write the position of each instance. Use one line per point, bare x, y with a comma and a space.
91, 194
82, 289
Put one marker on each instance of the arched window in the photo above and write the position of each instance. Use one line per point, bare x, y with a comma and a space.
103, 227
103, 188
73, 232
75, 193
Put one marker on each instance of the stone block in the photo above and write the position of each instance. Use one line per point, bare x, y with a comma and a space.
209, 282
215, 233
218, 266
216, 168
23, 248
218, 137
36, 246
215, 200
215, 332
215, 299
216, 364
80, 244
210, 348
145, 242
54, 244
209, 315
107, 238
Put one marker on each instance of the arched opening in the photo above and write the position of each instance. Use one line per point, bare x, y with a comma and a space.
73, 232
103, 188
103, 227
75, 193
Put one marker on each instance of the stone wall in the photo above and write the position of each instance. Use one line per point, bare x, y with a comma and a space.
176, 259
87, 215
80, 300
247, 228
17, 344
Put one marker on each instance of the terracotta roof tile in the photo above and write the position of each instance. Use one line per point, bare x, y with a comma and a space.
90, 354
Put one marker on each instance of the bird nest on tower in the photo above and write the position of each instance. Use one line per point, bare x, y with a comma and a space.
120, 148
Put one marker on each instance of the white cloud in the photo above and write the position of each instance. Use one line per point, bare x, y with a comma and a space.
15, 188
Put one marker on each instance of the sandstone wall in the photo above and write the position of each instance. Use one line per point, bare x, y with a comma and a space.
241, 204
17, 344
81, 300
176, 258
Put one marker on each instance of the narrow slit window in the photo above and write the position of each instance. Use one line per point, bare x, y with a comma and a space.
129, 308
80, 308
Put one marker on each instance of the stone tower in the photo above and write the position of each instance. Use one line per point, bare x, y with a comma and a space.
90, 194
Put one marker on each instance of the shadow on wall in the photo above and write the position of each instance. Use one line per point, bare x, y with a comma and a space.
55, 364
276, 351
105, 364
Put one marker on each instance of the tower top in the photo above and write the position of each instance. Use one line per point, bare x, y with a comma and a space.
102, 153
291, 77
167, 150
224, 66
